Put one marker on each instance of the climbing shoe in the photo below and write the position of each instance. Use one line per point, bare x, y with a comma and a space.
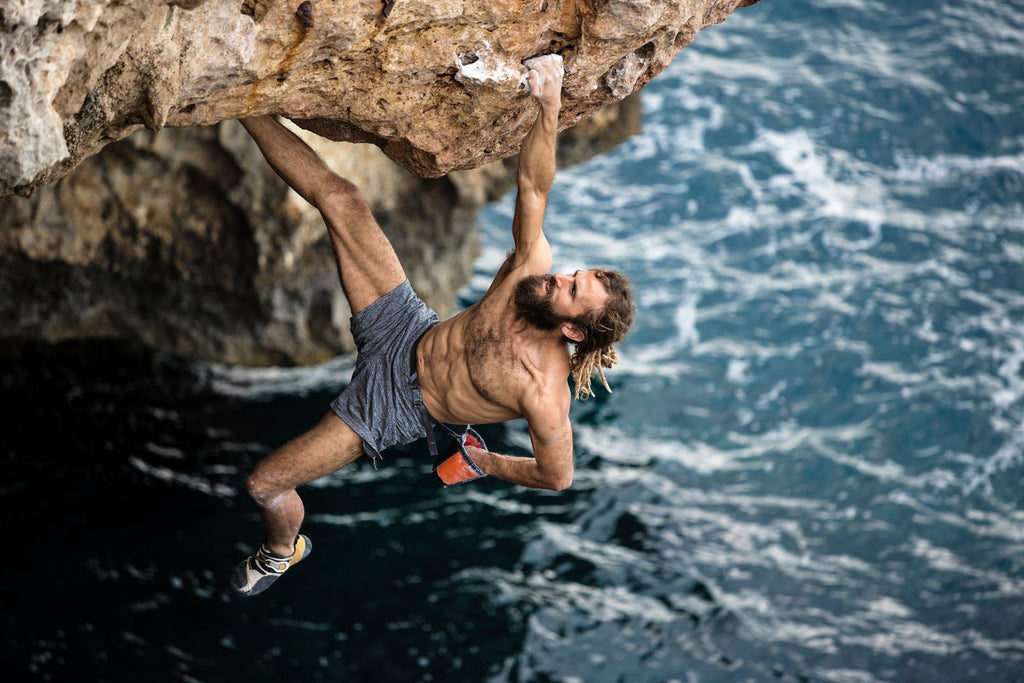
255, 574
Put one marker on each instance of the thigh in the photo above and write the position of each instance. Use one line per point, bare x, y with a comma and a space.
367, 263
326, 448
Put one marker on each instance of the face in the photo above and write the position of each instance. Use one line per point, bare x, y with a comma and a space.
549, 301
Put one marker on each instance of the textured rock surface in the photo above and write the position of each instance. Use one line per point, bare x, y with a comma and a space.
438, 84
183, 240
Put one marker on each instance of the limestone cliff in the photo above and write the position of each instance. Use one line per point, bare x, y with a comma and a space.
184, 240
437, 84
179, 237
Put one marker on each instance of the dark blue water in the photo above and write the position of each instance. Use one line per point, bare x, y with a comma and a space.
810, 467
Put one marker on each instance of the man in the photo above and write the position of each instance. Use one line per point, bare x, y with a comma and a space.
503, 358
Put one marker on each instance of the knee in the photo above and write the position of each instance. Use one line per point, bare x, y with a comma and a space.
262, 488
339, 197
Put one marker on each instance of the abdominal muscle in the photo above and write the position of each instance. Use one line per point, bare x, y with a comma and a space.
468, 383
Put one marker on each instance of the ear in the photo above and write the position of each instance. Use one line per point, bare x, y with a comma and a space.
573, 332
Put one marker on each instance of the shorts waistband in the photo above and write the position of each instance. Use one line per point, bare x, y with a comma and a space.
413, 372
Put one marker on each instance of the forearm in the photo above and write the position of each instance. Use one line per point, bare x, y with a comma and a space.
536, 171
522, 471
289, 156
537, 163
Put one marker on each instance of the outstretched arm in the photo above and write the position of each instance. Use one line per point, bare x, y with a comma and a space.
537, 165
290, 157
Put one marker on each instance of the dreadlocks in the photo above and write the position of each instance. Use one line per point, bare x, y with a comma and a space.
601, 329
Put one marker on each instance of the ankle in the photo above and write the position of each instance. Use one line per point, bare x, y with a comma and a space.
280, 550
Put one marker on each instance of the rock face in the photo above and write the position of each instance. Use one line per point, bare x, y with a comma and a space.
438, 84
184, 240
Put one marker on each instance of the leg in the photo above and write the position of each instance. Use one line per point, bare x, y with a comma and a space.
328, 447
367, 263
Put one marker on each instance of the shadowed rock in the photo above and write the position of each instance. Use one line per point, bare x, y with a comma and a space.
184, 240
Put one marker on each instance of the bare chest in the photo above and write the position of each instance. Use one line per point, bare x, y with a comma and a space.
493, 359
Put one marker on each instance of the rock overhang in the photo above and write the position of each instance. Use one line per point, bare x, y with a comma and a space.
437, 85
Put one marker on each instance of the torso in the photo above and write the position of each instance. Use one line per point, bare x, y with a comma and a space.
475, 367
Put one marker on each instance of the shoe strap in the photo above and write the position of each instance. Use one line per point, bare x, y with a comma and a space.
271, 560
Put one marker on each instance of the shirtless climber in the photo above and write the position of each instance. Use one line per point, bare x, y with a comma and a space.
505, 357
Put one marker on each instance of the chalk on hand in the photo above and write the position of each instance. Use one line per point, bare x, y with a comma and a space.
533, 62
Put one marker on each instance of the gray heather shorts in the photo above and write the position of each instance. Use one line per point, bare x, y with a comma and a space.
382, 403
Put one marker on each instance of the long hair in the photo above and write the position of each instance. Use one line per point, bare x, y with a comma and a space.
602, 328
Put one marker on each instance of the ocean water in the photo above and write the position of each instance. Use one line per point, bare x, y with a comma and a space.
810, 467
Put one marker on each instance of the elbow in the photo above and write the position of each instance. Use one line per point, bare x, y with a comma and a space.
560, 482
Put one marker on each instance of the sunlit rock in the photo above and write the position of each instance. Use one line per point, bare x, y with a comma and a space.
437, 85
184, 240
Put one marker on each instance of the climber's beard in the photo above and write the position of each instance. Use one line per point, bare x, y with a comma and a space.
535, 305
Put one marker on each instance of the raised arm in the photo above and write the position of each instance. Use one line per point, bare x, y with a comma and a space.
537, 165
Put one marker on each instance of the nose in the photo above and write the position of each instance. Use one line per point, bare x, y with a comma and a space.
561, 279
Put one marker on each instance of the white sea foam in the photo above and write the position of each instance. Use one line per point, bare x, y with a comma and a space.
1009, 456
813, 287
192, 481
234, 380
